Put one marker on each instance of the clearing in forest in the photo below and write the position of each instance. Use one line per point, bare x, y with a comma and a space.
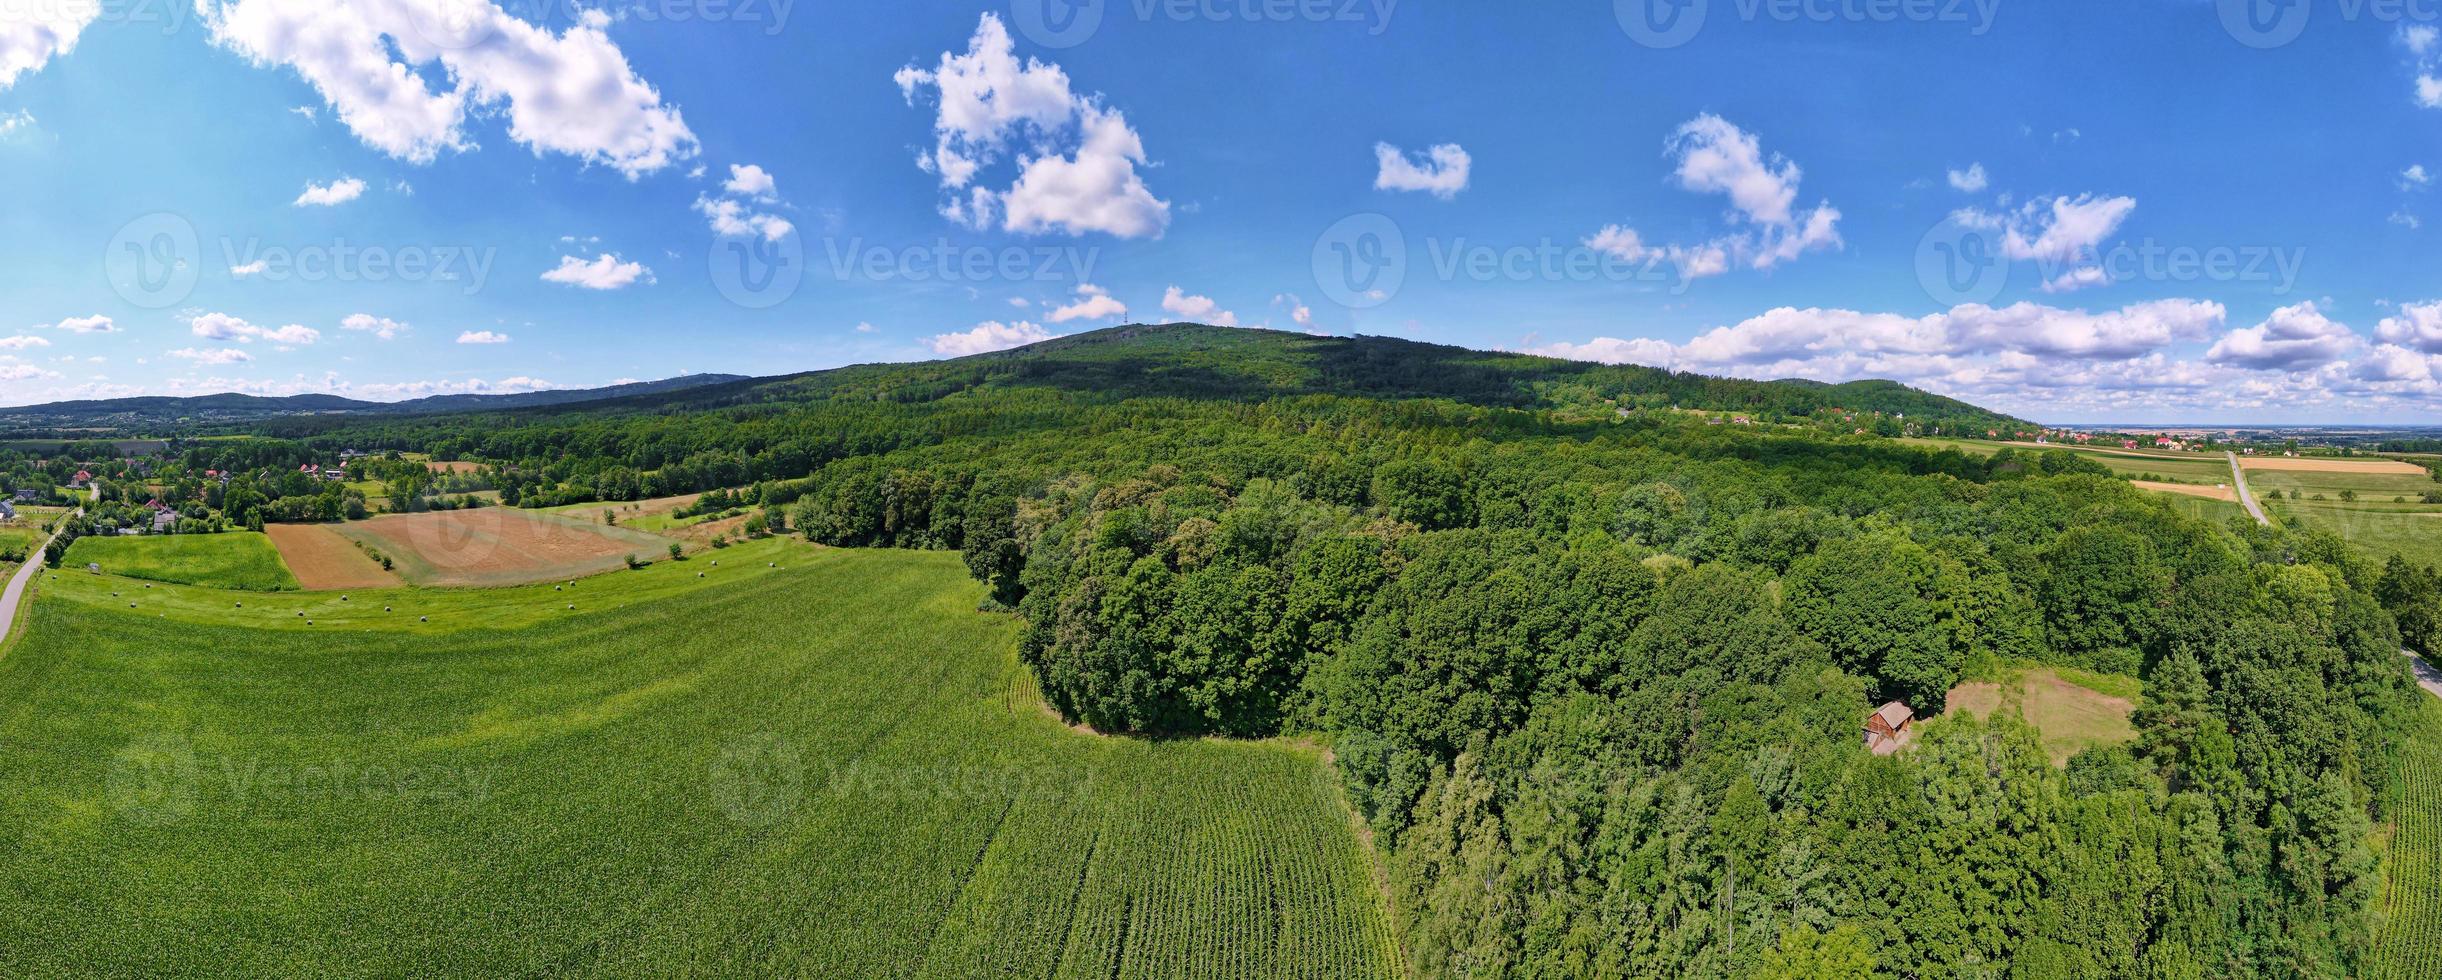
2221, 492
820, 763
2071, 717
322, 558
492, 546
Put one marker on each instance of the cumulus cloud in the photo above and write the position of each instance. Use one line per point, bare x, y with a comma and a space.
222, 326
1299, 312
2416, 325
604, 272
1716, 157
2415, 177
2293, 338
255, 267
1834, 337
1076, 158
405, 75
339, 191
1440, 171
482, 337
990, 335
749, 180
31, 34
1093, 303
22, 342
1971, 180
732, 218
382, 328
1197, 309
222, 355
2062, 233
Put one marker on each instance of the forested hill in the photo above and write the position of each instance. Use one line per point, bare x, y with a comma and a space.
161, 414
1199, 362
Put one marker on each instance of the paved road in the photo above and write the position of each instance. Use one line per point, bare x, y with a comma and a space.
15, 591
2427, 677
2238, 478
13, 594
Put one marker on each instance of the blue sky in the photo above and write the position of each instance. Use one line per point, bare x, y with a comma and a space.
2075, 211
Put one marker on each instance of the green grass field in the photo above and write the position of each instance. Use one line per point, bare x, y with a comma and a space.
2165, 466
235, 560
834, 767
2408, 934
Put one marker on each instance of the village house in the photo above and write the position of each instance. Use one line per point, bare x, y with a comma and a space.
1889, 727
8, 511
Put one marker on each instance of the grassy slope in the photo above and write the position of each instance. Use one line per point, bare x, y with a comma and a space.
833, 768
235, 559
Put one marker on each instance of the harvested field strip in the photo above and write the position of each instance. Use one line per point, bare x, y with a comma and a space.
2190, 489
322, 558
2371, 467
492, 546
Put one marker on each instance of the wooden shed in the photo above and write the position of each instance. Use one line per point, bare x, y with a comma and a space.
1889, 727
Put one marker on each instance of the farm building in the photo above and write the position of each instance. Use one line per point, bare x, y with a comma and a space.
1889, 728
8, 511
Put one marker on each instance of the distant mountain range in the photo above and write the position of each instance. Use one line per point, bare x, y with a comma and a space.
162, 412
1176, 360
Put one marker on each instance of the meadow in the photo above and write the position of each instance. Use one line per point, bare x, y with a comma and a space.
2074, 710
242, 560
804, 762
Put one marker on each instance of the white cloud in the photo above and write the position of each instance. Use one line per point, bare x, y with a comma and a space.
749, 180
1788, 335
96, 323
732, 218
338, 191
2419, 38
32, 33
12, 123
14, 371
255, 267
990, 105
2293, 338
482, 337
22, 342
1299, 312
2417, 326
382, 328
224, 355
1093, 303
222, 326
1197, 309
2414, 177
864, 327
604, 272
1716, 157
1971, 180
2062, 233
990, 335
376, 64
2405, 220
1441, 171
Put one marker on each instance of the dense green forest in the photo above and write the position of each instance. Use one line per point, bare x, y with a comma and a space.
1593, 669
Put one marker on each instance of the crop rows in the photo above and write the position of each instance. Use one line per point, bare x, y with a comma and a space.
2409, 944
818, 771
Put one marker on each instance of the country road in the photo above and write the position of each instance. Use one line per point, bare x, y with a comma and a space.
2427, 677
13, 595
2238, 478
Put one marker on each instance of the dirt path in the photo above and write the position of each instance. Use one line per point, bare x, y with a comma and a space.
2238, 477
